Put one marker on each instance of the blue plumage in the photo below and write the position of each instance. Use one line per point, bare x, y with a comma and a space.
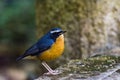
48, 47
43, 44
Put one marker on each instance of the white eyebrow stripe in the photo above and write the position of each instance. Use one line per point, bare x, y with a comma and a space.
55, 31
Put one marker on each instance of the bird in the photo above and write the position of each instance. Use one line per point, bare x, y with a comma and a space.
47, 48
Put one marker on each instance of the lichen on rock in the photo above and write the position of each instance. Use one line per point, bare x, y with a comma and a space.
83, 69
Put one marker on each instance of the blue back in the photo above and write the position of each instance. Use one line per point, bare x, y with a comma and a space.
44, 43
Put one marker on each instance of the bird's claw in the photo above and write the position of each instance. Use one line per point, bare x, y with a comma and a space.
55, 72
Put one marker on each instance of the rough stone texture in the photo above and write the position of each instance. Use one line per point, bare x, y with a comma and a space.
94, 68
90, 25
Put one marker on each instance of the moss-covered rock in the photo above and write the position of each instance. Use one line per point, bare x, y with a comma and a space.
83, 69
90, 24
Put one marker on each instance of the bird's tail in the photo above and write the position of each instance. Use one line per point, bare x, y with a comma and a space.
19, 58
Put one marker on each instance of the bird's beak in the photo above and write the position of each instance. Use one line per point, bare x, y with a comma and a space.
64, 32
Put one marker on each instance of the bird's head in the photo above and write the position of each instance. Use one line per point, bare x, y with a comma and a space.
56, 32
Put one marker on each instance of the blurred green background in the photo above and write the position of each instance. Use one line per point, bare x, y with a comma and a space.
17, 26
92, 26
17, 32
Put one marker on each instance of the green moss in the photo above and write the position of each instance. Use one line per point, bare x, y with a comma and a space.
91, 65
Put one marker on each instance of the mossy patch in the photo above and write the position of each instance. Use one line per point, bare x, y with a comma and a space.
90, 66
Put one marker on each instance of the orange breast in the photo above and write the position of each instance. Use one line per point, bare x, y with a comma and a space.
55, 51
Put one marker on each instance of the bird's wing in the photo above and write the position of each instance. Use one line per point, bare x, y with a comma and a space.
32, 50
39, 47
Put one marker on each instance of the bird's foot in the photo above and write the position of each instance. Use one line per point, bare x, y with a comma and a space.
54, 72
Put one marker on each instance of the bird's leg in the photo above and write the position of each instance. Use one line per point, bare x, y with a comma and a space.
49, 69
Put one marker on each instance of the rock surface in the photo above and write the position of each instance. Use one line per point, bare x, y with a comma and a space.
102, 67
